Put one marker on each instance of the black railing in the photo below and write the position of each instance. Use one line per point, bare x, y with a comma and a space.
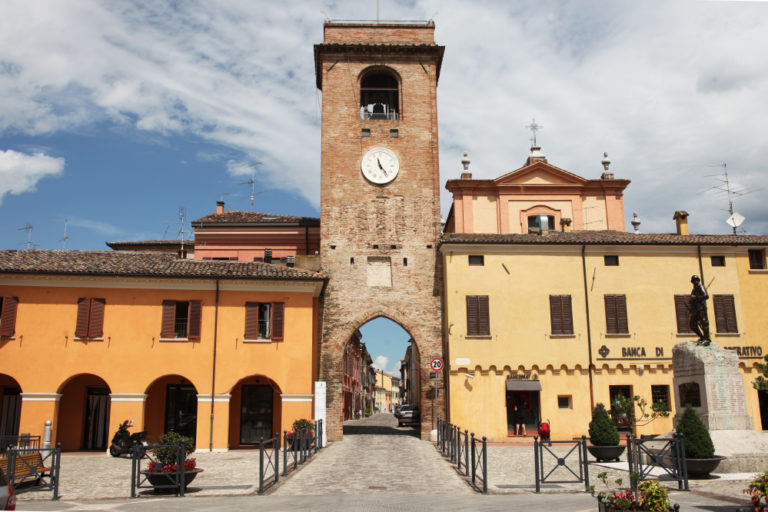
154, 476
664, 453
269, 462
299, 446
577, 447
32, 469
469, 454
24, 441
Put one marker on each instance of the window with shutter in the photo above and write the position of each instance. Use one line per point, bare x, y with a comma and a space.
616, 314
683, 314
278, 314
756, 259
194, 318
725, 314
478, 318
90, 318
8, 308
560, 313
168, 329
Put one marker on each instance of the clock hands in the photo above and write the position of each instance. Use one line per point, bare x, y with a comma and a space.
381, 167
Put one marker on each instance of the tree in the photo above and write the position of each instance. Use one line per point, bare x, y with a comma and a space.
698, 443
602, 431
761, 383
624, 407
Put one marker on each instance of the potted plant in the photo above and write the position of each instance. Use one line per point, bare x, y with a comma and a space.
164, 469
758, 490
650, 496
604, 436
298, 426
700, 457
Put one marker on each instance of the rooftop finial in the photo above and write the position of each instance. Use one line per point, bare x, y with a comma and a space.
607, 175
635, 222
534, 127
466, 175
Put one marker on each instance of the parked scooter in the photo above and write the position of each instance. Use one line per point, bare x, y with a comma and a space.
123, 440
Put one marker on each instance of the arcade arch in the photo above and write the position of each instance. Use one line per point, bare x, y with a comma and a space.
82, 422
10, 405
171, 406
255, 411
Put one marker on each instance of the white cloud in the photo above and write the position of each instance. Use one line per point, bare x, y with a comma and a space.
20, 172
380, 363
666, 88
101, 227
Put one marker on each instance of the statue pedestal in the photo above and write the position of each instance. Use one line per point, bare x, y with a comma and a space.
708, 378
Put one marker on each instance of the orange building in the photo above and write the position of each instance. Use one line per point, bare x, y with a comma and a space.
219, 350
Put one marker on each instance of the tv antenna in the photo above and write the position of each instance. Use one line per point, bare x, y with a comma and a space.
64, 238
182, 223
735, 219
252, 183
29, 243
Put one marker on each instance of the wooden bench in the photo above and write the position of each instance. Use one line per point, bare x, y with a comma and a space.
26, 465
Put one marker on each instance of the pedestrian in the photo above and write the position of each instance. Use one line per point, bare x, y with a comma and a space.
517, 419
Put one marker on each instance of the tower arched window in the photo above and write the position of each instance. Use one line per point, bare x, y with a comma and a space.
379, 96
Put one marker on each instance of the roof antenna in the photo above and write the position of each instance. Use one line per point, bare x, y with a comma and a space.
735, 219
252, 183
29, 243
64, 238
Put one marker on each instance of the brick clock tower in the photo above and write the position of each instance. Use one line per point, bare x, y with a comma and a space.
380, 198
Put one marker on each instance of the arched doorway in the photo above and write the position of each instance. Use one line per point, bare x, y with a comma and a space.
255, 410
171, 406
83, 417
10, 406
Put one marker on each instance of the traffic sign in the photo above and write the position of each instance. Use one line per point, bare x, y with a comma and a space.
436, 364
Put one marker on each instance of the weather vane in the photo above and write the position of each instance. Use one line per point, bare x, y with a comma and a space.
534, 127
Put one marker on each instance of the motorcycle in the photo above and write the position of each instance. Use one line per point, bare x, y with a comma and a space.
123, 440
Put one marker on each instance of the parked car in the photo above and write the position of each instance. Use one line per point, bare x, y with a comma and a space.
408, 415
7, 498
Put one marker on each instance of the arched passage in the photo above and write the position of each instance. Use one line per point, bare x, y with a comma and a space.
10, 405
83, 417
171, 406
255, 410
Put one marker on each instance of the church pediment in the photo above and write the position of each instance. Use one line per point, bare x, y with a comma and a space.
540, 173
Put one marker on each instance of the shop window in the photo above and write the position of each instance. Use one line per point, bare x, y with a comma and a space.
725, 314
478, 321
660, 395
718, 261
264, 320
379, 96
757, 259
181, 319
560, 314
564, 402
8, 307
683, 314
611, 260
90, 318
616, 314
476, 260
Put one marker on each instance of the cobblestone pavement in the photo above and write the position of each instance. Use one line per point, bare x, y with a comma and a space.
376, 456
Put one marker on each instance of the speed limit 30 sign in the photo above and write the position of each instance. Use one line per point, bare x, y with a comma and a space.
436, 364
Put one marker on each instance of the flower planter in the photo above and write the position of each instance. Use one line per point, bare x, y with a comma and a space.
602, 507
698, 468
606, 453
160, 479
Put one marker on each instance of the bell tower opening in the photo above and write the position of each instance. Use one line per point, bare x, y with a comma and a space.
379, 95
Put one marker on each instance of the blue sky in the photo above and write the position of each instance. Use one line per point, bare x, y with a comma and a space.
115, 114
387, 342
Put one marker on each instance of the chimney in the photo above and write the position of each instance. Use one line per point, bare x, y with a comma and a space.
681, 220
566, 224
291, 260
219, 207
267, 255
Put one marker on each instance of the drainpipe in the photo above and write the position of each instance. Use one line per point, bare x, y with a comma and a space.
213, 364
589, 329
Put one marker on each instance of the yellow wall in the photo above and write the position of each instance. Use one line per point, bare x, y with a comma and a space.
44, 356
519, 279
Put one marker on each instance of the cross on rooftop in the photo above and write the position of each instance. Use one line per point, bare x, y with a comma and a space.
534, 127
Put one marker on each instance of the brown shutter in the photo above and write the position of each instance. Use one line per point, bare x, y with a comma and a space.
556, 314
730, 313
251, 320
169, 317
567, 314
278, 319
725, 314
611, 324
483, 319
621, 314
8, 316
83, 312
683, 313
195, 315
472, 329
96, 321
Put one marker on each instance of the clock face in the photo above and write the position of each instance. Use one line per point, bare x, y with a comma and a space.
380, 166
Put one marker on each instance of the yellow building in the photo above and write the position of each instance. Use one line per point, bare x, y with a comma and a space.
383, 394
557, 321
222, 351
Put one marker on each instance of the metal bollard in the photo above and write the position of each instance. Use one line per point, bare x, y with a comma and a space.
47, 435
485, 465
536, 462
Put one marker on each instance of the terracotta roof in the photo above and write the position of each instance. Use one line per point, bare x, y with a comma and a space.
242, 217
142, 264
602, 238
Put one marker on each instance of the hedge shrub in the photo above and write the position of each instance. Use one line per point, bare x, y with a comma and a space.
698, 443
602, 431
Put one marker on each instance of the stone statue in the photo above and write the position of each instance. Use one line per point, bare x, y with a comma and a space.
699, 322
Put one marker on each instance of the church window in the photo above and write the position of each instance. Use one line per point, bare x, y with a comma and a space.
541, 223
379, 96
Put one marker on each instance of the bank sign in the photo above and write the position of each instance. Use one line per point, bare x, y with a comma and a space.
640, 352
